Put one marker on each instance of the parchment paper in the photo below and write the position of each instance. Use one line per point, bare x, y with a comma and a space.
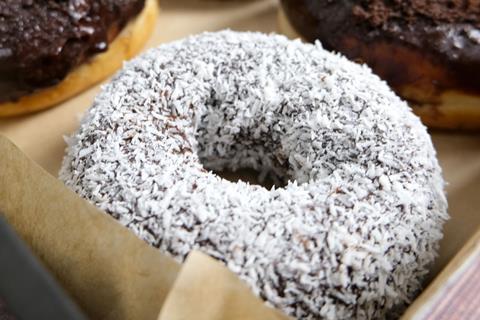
108, 271
206, 290
40, 135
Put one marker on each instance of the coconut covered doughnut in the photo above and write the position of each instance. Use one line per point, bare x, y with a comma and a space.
357, 224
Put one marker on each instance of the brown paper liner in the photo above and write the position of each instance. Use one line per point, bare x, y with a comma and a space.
110, 272
106, 268
207, 290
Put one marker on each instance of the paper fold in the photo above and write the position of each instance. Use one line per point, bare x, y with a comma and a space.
106, 268
206, 290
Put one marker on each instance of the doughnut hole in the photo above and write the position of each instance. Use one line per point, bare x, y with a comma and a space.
241, 159
235, 147
266, 179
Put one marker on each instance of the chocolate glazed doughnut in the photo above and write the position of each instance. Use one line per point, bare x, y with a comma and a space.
51, 50
428, 51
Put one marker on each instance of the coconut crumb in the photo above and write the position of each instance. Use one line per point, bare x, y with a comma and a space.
352, 233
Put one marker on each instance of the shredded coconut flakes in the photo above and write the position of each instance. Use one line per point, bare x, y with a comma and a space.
355, 228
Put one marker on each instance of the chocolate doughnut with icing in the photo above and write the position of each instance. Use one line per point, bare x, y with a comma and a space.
428, 51
42, 43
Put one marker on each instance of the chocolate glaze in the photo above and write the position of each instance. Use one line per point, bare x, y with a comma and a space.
41, 41
430, 46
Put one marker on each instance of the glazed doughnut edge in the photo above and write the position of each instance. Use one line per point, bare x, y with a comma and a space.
454, 109
126, 45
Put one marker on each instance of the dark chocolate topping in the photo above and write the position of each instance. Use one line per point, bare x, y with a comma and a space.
433, 12
445, 34
41, 41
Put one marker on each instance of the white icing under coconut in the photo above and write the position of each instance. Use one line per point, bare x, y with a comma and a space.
352, 233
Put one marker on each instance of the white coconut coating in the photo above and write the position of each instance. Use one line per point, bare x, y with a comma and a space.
352, 233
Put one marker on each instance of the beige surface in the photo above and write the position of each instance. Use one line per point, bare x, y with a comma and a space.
460, 159
40, 135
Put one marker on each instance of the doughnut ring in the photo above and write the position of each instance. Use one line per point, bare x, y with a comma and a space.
354, 229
